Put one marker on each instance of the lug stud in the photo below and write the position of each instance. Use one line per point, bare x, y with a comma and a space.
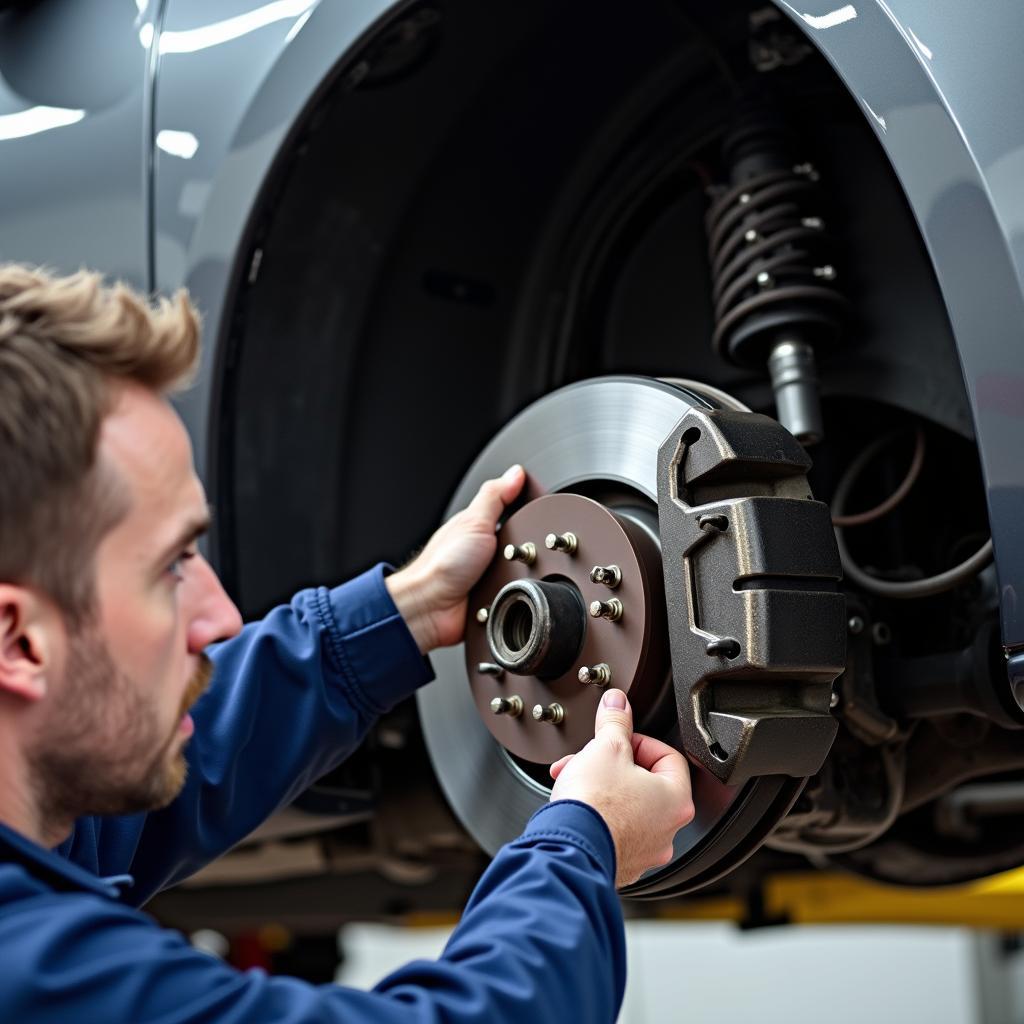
511, 706
765, 280
609, 575
751, 236
481, 615
600, 675
566, 542
488, 668
553, 713
610, 609
525, 553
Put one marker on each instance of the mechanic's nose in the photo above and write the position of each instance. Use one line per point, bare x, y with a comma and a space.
213, 614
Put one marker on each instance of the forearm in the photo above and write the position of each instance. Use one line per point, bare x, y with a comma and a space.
542, 936
291, 697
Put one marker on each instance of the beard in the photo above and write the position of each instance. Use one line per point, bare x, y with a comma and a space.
102, 749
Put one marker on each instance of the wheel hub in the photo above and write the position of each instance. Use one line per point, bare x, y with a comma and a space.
544, 628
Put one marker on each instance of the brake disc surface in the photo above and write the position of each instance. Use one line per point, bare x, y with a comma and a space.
599, 438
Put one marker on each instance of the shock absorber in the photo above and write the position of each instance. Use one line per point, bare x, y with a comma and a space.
777, 303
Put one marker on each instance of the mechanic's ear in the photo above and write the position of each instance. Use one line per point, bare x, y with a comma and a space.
30, 629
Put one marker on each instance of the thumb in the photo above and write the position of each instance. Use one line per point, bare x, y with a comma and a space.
614, 721
512, 483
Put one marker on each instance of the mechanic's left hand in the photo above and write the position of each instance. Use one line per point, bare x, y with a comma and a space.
431, 591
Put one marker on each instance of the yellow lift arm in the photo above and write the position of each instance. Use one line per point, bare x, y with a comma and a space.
821, 898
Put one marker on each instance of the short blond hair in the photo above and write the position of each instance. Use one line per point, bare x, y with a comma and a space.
65, 343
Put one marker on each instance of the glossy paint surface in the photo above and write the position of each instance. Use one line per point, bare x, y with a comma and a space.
73, 111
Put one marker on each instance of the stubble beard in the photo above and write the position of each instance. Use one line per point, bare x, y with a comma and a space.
102, 750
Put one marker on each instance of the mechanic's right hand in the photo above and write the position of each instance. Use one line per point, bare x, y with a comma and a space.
639, 785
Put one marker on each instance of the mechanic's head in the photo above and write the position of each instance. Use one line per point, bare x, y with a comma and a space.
105, 604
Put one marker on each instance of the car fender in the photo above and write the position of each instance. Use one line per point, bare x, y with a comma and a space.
940, 85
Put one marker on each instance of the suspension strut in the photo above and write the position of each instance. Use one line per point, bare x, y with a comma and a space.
774, 281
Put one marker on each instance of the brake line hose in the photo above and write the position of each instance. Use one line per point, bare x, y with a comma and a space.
861, 518
938, 584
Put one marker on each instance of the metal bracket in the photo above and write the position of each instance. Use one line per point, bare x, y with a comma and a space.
757, 625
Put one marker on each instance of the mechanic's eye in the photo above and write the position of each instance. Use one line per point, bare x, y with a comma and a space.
177, 567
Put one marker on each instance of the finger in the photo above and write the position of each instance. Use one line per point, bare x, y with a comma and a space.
648, 751
614, 721
659, 758
556, 768
494, 495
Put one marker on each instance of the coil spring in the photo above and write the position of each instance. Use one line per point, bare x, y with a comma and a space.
770, 264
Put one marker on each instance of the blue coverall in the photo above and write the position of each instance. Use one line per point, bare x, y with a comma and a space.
541, 938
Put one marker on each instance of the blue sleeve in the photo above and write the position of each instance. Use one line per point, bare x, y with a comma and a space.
541, 942
292, 696
541, 938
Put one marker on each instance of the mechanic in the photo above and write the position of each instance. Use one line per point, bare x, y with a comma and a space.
108, 618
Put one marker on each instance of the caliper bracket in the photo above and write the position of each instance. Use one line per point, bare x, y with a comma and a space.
756, 620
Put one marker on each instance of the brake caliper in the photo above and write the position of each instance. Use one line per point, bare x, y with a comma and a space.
756, 619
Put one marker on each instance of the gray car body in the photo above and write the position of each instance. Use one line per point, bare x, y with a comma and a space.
136, 139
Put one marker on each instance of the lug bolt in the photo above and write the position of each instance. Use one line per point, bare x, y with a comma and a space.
610, 609
488, 668
481, 615
609, 575
826, 273
511, 706
855, 625
600, 674
765, 280
525, 553
744, 198
751, 236
813, 222
566, 542
553, 713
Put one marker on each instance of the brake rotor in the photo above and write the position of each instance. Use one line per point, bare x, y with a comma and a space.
591, 455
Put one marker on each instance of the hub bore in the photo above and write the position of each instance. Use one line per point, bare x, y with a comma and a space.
535, 628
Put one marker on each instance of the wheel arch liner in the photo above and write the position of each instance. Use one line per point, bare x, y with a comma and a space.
205, 205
